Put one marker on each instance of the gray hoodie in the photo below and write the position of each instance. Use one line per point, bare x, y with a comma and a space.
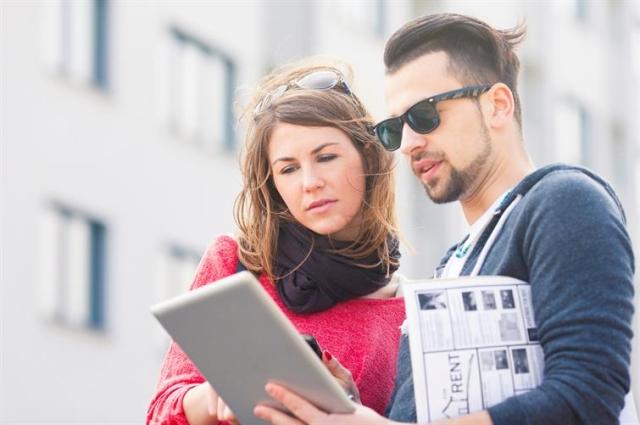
567, 238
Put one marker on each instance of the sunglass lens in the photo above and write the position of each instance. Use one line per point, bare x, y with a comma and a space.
321, 80
423, 117
390, 133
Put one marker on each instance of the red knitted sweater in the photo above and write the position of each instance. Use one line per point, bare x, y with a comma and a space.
362, 334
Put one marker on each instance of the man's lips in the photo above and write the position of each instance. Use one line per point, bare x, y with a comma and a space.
319, 204
424, 165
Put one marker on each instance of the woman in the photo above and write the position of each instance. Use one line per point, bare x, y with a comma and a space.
317, 225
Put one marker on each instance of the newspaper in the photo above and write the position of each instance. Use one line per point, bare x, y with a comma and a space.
473, 343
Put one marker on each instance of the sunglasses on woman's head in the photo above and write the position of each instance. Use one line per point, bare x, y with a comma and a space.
324, 79
422, 117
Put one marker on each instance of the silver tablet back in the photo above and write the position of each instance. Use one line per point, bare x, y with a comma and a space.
239, 339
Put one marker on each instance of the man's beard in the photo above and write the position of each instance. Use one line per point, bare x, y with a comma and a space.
461, 182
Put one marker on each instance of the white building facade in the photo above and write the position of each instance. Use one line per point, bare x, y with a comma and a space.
119, 160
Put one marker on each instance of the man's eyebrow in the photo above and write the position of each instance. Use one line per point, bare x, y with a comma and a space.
314, 151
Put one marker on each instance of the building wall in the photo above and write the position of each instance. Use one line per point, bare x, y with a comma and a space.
116, 155
109, 154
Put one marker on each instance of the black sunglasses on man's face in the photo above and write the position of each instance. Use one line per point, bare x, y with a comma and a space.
422, 117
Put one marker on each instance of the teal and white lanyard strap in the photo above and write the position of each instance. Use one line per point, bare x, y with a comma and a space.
494, 234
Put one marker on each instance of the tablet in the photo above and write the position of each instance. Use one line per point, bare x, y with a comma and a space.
239, 339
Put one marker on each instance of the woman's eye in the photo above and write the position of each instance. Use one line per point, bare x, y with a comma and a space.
326, 157
288, 169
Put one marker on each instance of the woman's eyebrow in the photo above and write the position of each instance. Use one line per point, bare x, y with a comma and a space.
322, 146
314, 151
283, 159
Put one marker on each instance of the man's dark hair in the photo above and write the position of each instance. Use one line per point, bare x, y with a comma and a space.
478, 53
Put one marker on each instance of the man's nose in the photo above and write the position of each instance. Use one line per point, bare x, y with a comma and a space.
411, 141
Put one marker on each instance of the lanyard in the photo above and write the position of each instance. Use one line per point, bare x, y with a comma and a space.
494, 234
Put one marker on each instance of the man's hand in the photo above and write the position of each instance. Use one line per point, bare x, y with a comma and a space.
306, 413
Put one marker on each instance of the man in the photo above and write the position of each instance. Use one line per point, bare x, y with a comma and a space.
560, 228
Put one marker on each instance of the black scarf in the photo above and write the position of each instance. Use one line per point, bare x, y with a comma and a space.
324, 277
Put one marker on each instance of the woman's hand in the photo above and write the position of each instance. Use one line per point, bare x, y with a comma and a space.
342, 374
203, 406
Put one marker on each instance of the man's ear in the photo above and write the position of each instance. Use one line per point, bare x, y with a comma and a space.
501, 106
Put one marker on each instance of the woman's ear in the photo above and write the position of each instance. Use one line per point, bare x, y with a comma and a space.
501, 106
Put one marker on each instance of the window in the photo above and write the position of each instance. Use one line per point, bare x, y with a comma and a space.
366, 14
573, 10
635, 44
380, 27
620, 157
572, 143
176, 271
76, 40
72, 268
581, 10
197, 84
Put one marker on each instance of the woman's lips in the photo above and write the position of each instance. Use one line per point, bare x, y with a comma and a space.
321, 206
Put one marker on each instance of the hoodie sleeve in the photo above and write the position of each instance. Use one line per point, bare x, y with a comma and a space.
580, 263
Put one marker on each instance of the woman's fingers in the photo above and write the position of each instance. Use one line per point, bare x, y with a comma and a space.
335, 367
227, 414
342, 374
217, 407
212, 400
220, 410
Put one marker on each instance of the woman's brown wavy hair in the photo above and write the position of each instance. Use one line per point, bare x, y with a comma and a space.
259, 209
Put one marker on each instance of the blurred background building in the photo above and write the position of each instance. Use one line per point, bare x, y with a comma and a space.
119, 160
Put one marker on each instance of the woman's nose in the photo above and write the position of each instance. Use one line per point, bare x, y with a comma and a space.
312, 180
